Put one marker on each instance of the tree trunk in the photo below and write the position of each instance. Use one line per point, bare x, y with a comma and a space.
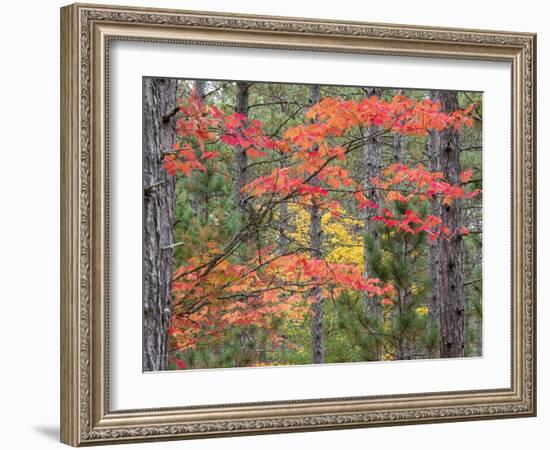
398, 143
398, 148
450, 273
241, 159
199, 89
283, 227
315, 234
434, 165
197, 197
372, 153
246, 336
158, 204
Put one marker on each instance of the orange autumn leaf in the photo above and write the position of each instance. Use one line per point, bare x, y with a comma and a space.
466, 175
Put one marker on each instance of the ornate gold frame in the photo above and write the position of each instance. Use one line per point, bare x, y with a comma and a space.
86, 31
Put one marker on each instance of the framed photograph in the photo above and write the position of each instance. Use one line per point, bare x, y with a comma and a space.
279, 224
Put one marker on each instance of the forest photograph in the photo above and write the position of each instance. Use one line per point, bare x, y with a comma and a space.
292, 224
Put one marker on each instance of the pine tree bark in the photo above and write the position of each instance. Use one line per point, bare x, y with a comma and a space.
398, 149
398, 143
372, 153
241, 162
315, 232
158, 204
434, 165
200, 89
451, 251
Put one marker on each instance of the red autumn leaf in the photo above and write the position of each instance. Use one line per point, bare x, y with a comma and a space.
210, 155
434, 236
396, 196
314, 190
234, 120
473, 193
185, 167
216, 113
181, 364
253, 153
170, 166
464, 231
363, 201
230, 139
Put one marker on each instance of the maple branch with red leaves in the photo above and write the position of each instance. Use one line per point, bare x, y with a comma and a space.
311, 151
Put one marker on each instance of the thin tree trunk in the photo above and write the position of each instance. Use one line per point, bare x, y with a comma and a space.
372, 153
283, 227
315, 232
246, 335
283, 216
479, 334
434, 299
450, 268
198, 199
241, 159
398, 143
398, 148
405, 347
200, 88
158, 204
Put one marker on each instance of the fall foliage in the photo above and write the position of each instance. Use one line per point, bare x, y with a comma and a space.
244, 268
